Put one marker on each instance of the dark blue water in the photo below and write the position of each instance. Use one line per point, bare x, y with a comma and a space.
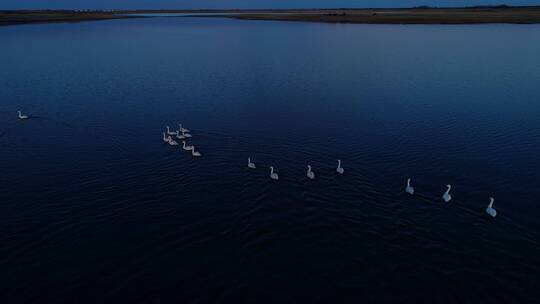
95, 208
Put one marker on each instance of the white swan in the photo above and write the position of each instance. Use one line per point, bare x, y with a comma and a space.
187, 148
339, 169
186, 135
250, 164
172, 142
195, 153
273, 175
310, 173
165, 138
182, 129
489, 209
446, 196
409, 189
22, 116
169, 132
180, 136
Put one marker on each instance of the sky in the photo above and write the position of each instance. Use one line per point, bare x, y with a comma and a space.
190, 4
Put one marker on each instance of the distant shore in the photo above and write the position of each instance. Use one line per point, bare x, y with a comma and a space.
45, 16
516, 15
421, 15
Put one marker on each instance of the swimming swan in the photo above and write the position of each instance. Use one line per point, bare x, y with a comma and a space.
22, 116
446, 196
195, 153
339, 169
489, 209
182, 129
186, 135
250, 164
172, 142
187, 148
409, 189
310, 173
169, 132
273, 175
180, 136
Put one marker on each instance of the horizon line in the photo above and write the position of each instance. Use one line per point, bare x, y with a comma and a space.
273, 9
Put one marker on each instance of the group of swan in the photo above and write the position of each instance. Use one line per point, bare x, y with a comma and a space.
182, 134
310, 174
447, 197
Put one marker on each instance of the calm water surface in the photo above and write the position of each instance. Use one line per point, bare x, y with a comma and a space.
95, 208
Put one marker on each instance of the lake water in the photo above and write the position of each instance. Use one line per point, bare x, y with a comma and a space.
94, 207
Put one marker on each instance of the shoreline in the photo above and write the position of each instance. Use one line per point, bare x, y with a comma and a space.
422, 15
476, 15
32, 17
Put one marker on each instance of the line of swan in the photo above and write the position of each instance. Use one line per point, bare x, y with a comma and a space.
489, 209
22, 116
250, 164
310, 173
273, 175
446, 196
409, 189
339, 169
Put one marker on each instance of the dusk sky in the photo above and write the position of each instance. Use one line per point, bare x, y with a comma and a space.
29, 4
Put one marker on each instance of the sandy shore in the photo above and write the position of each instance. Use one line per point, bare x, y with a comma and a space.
518, 15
